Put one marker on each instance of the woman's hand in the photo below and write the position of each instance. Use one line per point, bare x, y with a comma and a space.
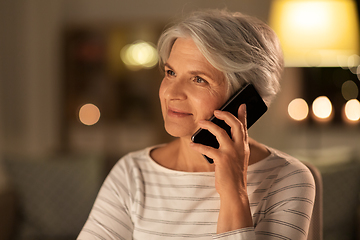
232, 157
231, 160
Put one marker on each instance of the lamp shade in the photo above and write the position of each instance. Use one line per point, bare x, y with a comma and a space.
322, 33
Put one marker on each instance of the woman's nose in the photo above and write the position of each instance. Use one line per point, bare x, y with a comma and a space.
176, 91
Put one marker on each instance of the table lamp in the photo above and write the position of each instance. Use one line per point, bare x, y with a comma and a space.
317, 33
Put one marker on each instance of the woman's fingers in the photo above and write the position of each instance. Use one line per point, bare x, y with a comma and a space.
205, 150
232, 156
237, 125
222, 137
238, 139
242, 115
220, 134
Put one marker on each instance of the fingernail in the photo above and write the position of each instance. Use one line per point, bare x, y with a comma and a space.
243, 107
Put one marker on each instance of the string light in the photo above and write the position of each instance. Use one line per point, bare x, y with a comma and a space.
322, 108
352, 110
298, 109
89, 114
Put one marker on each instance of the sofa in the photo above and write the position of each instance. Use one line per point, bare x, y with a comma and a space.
47, 198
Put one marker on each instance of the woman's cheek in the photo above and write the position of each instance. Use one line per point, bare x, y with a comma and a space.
161, 88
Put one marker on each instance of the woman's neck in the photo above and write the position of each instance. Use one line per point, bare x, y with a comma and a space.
191, 160
177, 155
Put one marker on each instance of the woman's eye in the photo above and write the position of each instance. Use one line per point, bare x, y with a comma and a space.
199, 80
170, 73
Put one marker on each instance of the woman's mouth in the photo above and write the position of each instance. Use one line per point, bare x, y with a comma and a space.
177, 113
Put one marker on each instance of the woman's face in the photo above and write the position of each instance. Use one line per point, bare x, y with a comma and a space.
191, 89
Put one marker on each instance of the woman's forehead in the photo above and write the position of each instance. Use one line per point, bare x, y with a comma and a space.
185, 54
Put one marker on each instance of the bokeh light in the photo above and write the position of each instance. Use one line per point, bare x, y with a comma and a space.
322, 107
139, 55
353, 61
89, 114
349, 90
352, 110
298, 109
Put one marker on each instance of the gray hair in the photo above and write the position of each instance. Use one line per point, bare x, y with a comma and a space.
244, 48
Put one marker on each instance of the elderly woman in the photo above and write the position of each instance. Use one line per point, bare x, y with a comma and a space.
170, 191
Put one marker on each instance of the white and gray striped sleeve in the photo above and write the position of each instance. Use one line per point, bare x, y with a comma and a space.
289, 203
286, 205
110, 215
240, 234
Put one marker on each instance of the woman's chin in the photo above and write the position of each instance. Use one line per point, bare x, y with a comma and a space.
179, 132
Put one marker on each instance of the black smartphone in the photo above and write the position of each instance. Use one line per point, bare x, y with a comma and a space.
255, 108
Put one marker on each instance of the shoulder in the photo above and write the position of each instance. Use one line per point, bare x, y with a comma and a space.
293, 177
281, 178
133, 160
138, 163
282, 168
292, 166
126, 175
283, 198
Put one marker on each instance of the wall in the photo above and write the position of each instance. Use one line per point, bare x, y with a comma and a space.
30, 68
120, 10
30, 64
29, 74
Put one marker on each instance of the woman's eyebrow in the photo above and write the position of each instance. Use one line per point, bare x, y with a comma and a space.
209, 75
193, 72
197, 72
168, 65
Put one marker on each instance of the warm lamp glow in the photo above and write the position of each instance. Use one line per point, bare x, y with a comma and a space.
316, 33
352, 110
89, 114
139, 55
322, 107
298, 109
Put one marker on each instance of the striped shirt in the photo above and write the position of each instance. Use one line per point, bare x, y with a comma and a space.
143, 200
